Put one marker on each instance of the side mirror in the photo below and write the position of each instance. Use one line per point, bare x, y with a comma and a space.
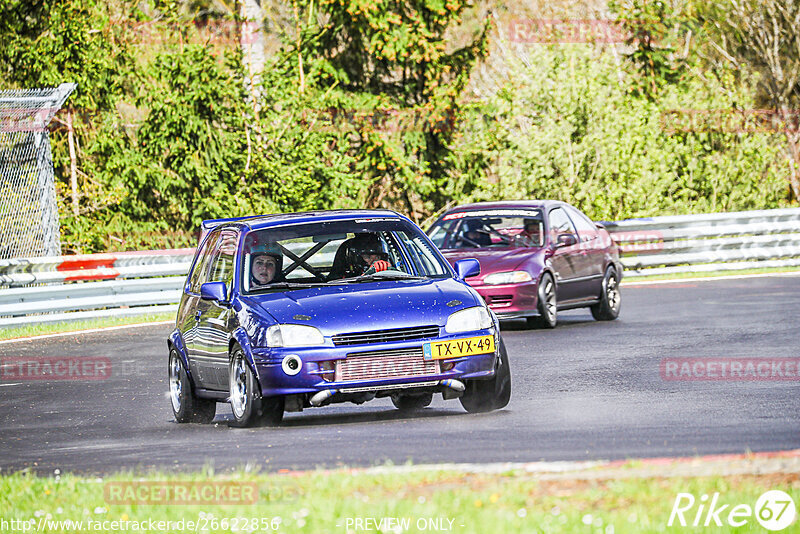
214, 291
566, 240
467, 268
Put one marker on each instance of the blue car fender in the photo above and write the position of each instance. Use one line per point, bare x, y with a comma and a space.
239, 335
176, 340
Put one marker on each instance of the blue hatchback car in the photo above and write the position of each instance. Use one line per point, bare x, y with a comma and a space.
285, 312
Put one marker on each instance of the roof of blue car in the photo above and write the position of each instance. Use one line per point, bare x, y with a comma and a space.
260, 221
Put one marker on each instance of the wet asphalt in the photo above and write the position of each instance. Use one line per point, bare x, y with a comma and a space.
586, 390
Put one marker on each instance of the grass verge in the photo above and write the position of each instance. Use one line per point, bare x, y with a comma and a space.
424, 500
87, 324
714, 274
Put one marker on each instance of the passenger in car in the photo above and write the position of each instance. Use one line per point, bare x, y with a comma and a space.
266, 266
531, 233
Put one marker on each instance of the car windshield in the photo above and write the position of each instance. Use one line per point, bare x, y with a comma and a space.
489, 228
337, 252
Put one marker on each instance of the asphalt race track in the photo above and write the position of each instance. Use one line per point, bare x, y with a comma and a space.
586, 390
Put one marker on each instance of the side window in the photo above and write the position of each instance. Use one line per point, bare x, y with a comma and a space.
560, 224
201, 263
222, 259
440, 233
395, 257
586, 228
421, 255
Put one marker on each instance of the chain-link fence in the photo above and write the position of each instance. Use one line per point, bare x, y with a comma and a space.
28, 209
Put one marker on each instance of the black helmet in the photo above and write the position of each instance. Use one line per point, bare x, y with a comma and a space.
364, 244
473, 225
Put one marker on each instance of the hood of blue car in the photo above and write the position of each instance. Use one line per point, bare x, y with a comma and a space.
366, 306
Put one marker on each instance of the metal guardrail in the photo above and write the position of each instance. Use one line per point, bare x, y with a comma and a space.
43, 290
707, 243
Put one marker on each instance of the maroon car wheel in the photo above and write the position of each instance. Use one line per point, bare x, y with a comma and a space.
547, 305
610, 299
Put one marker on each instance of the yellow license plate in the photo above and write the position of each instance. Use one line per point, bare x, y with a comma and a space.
438, 350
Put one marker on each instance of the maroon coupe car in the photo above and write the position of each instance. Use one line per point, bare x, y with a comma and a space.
536, 256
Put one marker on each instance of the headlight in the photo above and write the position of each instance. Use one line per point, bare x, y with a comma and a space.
293, 335
511, 277
468, 320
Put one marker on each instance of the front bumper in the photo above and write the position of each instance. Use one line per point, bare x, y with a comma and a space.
275, 381
511, 301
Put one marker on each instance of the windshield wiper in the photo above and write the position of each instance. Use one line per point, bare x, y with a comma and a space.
377, 277
289, 285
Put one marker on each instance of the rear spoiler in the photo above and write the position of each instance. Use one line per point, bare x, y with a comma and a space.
210, 224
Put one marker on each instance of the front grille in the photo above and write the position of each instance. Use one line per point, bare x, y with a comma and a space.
403, 363
382, 336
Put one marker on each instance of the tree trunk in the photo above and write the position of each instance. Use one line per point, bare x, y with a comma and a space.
251, 39
299, 52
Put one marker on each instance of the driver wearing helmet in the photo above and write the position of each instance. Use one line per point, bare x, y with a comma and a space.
531, 233
366, 256
266, 265
358, 256
474, 235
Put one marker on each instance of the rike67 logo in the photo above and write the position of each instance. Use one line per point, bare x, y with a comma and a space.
774, 510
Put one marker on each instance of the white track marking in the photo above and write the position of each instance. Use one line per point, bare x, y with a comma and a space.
89, 331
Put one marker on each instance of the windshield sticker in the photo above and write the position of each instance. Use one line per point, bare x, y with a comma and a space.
493, 213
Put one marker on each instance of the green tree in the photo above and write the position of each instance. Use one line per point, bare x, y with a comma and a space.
386, 65
566, 127
45, 44
649, 25
763, 36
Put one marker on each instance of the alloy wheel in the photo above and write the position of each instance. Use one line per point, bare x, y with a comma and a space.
175, 384
550, 299
239, 386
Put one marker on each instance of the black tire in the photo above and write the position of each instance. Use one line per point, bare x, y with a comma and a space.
493, 394
610, 298
412, 403
547, 305
186, 406
248, 406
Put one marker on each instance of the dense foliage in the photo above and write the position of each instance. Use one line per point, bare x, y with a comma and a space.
599, 146
371, 103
